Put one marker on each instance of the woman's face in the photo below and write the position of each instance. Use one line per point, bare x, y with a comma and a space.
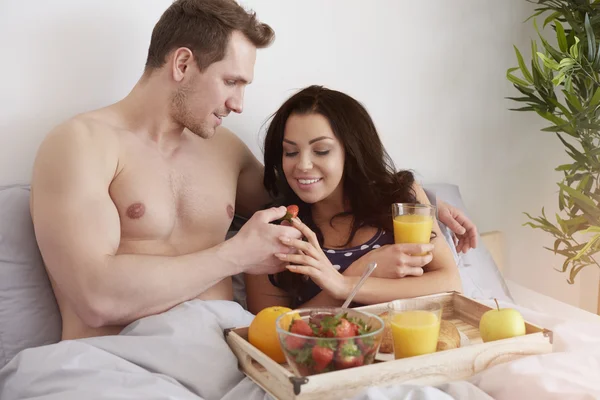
313, 158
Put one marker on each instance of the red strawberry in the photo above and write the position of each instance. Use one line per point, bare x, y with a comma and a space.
349, 362
348, 356
355, 329
322, 356
292, 212
344, 329
301, 327
336, 326
294, 342
366, 348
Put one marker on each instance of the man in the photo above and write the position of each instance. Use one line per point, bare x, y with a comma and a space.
131, 202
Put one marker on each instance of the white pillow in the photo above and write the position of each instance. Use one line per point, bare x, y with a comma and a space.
481, 278
29, 315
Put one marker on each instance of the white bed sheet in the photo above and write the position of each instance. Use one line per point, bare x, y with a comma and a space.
570, 372
536, 301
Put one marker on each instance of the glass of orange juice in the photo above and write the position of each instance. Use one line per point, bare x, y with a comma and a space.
412, 222
415, 325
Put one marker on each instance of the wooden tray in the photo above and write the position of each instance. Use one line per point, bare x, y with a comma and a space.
431, 369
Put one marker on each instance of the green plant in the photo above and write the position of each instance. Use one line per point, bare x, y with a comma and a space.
563, 87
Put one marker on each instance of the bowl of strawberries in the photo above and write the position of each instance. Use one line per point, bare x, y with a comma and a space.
319, 340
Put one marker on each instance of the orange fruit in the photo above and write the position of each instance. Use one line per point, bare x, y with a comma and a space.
263, 335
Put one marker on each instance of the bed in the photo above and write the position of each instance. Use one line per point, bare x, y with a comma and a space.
182, 354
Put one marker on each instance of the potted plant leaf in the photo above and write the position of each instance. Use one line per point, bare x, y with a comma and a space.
562, 85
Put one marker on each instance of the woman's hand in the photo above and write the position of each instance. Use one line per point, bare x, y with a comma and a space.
396, 260
314, 263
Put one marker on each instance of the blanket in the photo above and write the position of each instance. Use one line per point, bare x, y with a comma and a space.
179, 354
182, 354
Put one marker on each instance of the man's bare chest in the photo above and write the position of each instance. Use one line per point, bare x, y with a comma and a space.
179, 200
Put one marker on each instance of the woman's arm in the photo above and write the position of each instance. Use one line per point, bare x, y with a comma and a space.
260, 293
439, 275
382, 290
390, 265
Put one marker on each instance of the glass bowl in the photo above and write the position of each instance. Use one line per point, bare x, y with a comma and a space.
328, 339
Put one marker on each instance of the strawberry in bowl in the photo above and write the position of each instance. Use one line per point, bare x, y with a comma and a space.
322, 340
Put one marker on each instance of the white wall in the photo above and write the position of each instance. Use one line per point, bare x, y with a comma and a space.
431, 73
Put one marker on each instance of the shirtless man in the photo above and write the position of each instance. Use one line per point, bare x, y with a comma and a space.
131, 203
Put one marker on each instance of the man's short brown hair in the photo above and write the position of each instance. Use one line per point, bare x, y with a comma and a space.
204, 26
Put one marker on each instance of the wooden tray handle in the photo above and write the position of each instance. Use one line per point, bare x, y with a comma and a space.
506, 352
250, 368
247, 354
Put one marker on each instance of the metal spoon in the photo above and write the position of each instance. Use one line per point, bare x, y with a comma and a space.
370, 268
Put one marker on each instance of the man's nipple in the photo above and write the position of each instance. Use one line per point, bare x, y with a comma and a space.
136, 210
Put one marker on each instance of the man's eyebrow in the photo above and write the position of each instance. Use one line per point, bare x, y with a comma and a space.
240, 78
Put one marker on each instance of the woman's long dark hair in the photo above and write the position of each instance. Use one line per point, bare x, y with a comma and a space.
370, 181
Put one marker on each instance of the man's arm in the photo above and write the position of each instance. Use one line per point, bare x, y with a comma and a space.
463, 228
78, 231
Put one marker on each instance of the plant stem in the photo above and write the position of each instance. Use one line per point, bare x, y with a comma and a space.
592, 257
585, 72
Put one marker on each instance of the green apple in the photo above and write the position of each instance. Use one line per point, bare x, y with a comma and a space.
501, 324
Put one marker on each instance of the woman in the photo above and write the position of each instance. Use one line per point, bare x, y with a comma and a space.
323, 153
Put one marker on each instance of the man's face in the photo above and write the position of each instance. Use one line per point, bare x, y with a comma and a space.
204, 98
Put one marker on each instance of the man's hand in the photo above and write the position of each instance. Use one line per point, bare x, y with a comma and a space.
254, 247
465, 231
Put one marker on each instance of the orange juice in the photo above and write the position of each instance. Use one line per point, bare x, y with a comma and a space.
412, 228
415, 333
